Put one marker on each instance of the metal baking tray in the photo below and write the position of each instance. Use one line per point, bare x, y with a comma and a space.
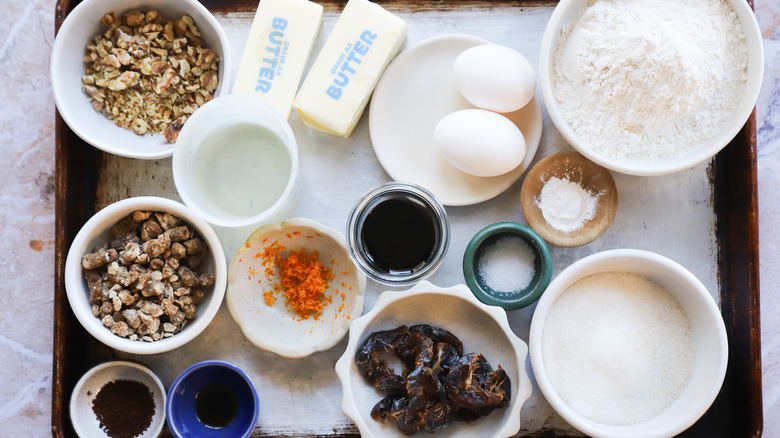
706, 218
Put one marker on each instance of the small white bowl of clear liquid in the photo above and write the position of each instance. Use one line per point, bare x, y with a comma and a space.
236, 162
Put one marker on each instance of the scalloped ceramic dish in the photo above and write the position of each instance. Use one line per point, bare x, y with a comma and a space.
278, 328
482, 329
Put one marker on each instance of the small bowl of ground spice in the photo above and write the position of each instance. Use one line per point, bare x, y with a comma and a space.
293, 288
507, 264
118, 399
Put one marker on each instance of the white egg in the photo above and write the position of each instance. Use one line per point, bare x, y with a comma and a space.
495, 78
480, 142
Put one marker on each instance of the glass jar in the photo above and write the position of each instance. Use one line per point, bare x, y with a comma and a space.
398, 233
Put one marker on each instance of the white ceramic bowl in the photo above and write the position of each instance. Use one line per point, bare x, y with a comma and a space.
84, 419
253, 178
278, 328
709, 340
95, 232
567, 10
67, 67
482, 329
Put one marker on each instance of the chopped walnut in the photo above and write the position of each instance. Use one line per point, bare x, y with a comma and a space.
147, 73
140, 286
98, 258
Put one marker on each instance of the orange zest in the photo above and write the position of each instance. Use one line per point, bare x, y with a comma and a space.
303, 280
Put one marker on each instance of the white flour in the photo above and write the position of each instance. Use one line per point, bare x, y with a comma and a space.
650, 79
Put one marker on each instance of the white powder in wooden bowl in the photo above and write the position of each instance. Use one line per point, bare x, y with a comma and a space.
617, 348
566, 205
650, 79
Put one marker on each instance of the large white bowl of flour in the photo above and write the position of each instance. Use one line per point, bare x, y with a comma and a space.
650, 88
627, 343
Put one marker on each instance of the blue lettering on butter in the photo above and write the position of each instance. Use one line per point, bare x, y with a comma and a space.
267, 72
349, 64
282, 58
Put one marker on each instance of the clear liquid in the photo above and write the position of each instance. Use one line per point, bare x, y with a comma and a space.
243, 169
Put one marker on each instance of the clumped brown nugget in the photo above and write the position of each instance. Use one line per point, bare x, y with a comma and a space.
147, 73
144, 285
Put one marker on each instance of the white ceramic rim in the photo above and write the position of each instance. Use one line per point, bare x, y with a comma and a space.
344, 364
104, 219
575, 272
76, 19
290, 143
293, 351
754, 42
78, 389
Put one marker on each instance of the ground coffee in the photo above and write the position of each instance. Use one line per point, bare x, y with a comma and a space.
124, 408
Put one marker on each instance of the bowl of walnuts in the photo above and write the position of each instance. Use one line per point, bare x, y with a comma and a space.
145, 275
127, 75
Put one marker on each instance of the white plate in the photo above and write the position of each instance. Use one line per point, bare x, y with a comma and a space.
416, 90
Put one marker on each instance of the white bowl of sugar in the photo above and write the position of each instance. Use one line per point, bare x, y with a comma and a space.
628, 343
650, 88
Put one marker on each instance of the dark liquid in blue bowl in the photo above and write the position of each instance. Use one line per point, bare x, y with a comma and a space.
216, 406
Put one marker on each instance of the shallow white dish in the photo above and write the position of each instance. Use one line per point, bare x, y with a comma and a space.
84, 420
277, 328
482, 329
709, 342
416, 90
67, 67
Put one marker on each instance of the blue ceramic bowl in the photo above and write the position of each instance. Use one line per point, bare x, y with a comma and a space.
212, 398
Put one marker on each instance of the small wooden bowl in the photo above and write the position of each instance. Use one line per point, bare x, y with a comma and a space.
576, 168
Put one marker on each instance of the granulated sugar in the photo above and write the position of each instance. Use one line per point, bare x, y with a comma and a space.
507, 265
650, 79
618, 348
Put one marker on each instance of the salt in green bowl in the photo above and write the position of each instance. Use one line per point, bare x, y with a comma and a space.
508, 300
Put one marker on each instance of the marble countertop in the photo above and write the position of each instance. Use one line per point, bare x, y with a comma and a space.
27, 216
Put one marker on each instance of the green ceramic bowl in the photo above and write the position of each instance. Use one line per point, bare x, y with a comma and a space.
508, 299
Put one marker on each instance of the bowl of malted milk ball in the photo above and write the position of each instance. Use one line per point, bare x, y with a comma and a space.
650, 88
628, 343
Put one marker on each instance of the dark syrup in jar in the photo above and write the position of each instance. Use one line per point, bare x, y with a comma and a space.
216, 406
399, 234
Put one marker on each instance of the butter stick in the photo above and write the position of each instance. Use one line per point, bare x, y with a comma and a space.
337, 88
277, 50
